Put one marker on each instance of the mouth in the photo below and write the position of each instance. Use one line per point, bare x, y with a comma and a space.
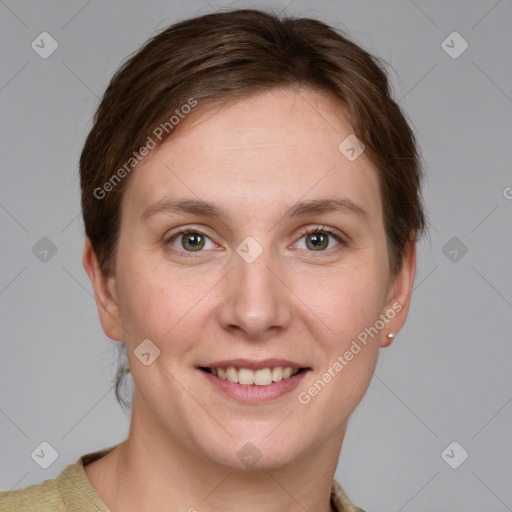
254, 377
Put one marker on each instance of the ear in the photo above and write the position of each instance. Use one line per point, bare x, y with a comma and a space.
399, 294
105, 294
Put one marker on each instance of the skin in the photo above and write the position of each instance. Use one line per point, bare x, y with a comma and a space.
255, 158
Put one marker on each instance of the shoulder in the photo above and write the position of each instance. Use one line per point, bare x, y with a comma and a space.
71, 490
41, 497
340, 502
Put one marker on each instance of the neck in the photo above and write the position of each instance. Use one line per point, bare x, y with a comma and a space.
155, 473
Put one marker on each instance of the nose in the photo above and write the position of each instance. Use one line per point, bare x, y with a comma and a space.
256, 301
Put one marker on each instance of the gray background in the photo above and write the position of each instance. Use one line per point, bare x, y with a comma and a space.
446, 377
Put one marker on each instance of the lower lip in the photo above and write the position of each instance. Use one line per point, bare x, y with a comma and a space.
252, 393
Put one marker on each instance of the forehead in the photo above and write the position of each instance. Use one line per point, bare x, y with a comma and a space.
276, 147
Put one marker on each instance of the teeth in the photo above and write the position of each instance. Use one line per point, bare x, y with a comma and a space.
231, 374
261, 377
245, 376
277, 373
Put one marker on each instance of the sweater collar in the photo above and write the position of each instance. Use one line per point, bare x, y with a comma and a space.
79, 494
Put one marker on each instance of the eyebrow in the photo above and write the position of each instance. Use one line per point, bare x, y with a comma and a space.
299, 209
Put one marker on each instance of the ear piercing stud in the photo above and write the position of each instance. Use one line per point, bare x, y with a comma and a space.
390, 336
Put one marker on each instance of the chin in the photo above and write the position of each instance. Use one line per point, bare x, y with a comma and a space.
256, 454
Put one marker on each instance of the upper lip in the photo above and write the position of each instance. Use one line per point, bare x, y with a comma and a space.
254, 365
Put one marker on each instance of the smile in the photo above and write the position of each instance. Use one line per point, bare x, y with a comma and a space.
260, 377
254, 386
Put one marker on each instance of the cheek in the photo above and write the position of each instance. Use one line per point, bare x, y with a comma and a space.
344, 301
348, 302
144, 309
161, 304
156, 307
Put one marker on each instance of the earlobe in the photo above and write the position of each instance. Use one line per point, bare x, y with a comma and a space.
399, 295
387, 340
105, 293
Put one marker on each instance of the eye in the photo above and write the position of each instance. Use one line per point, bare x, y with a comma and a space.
190, 240
318, 238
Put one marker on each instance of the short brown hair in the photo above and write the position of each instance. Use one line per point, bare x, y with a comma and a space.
222, 56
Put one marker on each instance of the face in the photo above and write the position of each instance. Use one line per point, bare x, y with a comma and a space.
249, 284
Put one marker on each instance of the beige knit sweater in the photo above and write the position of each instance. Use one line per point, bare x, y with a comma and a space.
72, 491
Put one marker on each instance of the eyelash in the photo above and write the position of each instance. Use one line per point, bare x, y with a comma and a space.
327, 230
305, 232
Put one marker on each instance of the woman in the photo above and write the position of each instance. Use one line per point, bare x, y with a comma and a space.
251, 201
